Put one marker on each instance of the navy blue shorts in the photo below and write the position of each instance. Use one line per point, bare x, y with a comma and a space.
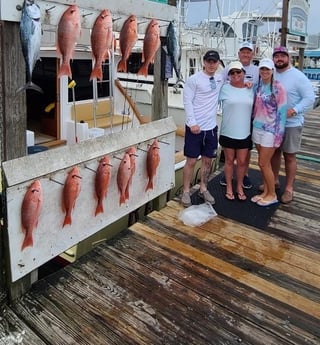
203, 144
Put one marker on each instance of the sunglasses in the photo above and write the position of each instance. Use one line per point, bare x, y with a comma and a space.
265, 69
213, 84
235, 72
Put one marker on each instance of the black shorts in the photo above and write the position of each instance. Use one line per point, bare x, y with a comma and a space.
235, 144
203, 144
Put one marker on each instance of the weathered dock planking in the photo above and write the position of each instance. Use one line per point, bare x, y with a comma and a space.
160, 282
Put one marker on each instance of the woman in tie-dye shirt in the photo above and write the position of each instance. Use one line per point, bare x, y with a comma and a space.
269, 117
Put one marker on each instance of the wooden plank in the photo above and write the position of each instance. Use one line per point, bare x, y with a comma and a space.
182, 277
269, 252
310, 307
14, 331
144, 323
56, 318
230, 229
189, 302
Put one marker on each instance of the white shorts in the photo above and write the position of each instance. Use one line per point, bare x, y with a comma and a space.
263, 138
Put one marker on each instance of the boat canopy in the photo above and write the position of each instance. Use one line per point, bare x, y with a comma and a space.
312, 53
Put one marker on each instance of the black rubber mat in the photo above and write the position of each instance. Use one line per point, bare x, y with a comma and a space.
245, 212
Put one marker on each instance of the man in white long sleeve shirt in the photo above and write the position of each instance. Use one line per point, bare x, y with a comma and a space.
200, 98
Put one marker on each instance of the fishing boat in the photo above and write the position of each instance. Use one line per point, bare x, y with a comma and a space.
72, 112
311, 68
224, 34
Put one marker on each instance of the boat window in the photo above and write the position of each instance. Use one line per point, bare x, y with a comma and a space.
311, 66
44, 75
192, 66
221, 29
312, 62
134, 63
249, 32
81, 70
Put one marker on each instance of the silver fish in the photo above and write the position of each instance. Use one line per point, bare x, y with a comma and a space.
30, 38
174, 50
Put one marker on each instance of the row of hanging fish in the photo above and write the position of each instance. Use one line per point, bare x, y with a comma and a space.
128, 38
33, 199
102, 41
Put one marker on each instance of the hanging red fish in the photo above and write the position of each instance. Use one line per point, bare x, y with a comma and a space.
151, 44
123, 178
101, 42
30, 212
71, 191
132, 152
69, 29
127, 39
153, 160
102, 180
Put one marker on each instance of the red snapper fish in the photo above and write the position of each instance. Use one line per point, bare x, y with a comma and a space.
30, 212
127, 39
101, 42
123, 177
102, 181
71, 190
153, 160
69, 30
132, 152
151, 44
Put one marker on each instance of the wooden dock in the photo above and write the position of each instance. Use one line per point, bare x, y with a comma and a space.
160, 282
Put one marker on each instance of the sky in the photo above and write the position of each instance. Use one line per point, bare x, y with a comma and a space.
198, 11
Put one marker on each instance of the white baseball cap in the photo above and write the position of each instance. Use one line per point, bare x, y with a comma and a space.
235, 65
246, 45
268, 63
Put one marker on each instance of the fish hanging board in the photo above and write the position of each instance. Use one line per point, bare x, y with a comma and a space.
51, 10
53, 234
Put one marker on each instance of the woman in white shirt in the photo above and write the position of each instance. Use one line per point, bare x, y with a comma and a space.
235, 138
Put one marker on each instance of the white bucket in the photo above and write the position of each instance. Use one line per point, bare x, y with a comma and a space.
96, 132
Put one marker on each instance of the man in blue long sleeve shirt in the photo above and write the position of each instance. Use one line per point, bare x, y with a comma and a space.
300, 97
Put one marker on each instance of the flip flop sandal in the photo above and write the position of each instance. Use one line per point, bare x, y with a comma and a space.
241, 196
256, 198
266, 203
229, 196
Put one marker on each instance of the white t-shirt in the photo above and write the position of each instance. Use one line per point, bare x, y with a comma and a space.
236, 104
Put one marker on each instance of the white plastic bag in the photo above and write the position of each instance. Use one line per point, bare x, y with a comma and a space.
197, 215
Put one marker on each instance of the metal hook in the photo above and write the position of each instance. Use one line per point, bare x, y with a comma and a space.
163, 142
87, 167
53, 180
142, 149
89, 14
115, 19
50, 9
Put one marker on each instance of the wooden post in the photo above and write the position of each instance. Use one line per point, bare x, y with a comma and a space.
13, 126
284, 22
159, 92
13, 74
